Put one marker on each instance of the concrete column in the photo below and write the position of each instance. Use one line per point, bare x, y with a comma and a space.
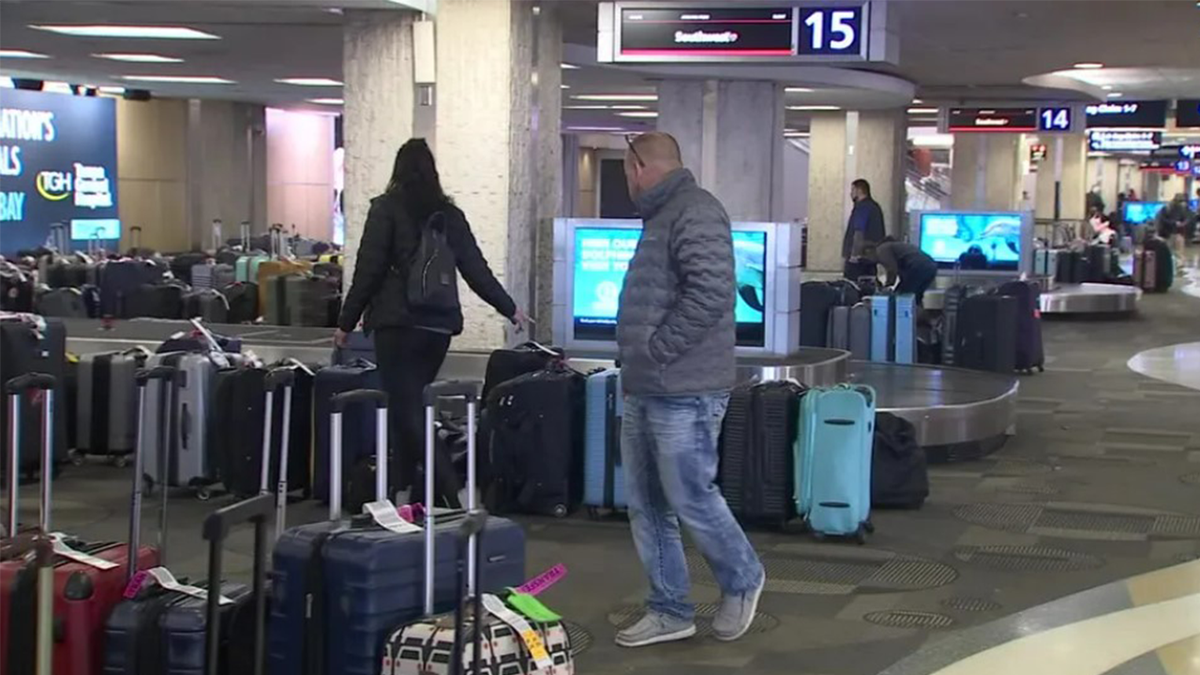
378, 113
985, 172
1066, 159
845, 146
499, 148
730, 134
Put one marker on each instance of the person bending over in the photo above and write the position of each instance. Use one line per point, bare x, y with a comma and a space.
908, 268
675, 335
411, 342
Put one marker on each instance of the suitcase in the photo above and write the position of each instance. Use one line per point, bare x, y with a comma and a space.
246, 268
817, 298
182, 264
1154, 266
838, 328
893, 328
275, 300
359, 442
1145, 263
154, 301
213, 275
120, 278
535, 437
1098, 261
65, 303
833, 460
341, 587
986, 334
505, 364
243, 302
31, 344
308, 300
16, 289
1045, 262
187, 452
899, 473
235, 429
106, 403
954, 297
757, 448
298, 421
99, 568
268, 269
434, 645
1029, 350
206, 304
603, 475
359, 347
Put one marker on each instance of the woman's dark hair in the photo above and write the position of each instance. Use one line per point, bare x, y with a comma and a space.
415, 179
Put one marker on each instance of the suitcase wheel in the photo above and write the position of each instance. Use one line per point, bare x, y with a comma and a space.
869, 527
560, 510
203, 493
76, 457
861, 535
593, 513
120, 461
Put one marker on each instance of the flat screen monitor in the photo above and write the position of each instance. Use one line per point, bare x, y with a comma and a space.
601, 258
976, 241
1139, 213
1194, 205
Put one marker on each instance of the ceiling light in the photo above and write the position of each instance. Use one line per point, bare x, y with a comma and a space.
564, 86
310, 81
922, 111
813, 108
326, 101
112, 90
20, 54
178, 79
139, 58
638, 113
615, 129
1089, 65
798, 90
1115, 94
626, 106
569, 66
795, 134
1106, 87
152, 32
585, 107
57, 87
917, 101
616, 97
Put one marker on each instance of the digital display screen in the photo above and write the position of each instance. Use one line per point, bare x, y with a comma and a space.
58, 164
1124, 141
1138, 213
973, 241
1137, 114
602, 256
1187, 113
686, 31
1012, 120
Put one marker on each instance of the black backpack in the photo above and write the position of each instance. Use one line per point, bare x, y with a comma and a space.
899, 478
432, 272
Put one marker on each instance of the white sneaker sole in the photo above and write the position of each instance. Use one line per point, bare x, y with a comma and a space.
659, 639
753, 613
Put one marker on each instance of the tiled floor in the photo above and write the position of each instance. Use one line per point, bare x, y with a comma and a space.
1100, 484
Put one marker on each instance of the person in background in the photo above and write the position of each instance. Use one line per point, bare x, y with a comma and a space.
675, 338
1171, 224
909, 269
411, 343
865, 229
1103, 233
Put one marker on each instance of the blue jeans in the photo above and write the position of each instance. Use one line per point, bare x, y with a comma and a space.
669, 449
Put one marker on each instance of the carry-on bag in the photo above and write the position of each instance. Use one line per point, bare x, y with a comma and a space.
817, 298
757, 448
1029, 349
434, 644
954, 297
243, 302
899, 474
986, 333
182, 265
535, 437
97, 568
207, 304
216, 275
32, 344
106, 411
121, 278
359, 443
154, 301
187, 450
1145, 263
246, 268
342, 586
64, 303
505, 364
833, 460
16, 289
248, 428
603, 475
308, 300
1099, 263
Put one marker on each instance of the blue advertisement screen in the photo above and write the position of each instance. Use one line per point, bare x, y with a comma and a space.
602, 256
972, 241
1137, 213
58, 164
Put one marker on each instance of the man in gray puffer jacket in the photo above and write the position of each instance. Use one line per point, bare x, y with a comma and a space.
675, 332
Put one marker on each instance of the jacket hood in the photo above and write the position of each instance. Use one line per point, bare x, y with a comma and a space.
651, 201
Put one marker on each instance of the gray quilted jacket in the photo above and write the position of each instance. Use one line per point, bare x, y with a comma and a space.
675, 328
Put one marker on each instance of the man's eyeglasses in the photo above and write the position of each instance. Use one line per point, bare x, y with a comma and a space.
629, 139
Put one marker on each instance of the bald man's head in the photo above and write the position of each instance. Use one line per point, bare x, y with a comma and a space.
650, 158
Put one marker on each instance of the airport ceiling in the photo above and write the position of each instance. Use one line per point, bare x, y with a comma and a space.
953, 50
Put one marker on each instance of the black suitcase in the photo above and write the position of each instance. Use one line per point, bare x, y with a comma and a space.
119, 278
359, 435
66, 303
154, 301
1098, 263
29, 347
899, 474
817, 299
308, 300
505, 364
235, 428
1164, 263
206, 304
1029, 351
986, 333
535, 425
757, 451
16, 289
181, 265
243, 301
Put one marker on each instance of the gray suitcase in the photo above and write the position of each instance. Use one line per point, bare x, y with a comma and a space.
106, 403
187, 446
850, 329
215, 276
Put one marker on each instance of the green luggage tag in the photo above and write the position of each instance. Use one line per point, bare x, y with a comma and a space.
530, 607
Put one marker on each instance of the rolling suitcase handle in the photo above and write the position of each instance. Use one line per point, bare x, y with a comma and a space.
245, 232
469, 390
468, 535
338, 406
256, 510
166, 414
277, 378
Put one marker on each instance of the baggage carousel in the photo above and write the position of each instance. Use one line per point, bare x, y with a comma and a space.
958, 414
1074, 299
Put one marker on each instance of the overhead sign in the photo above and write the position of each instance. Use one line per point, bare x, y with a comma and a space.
1187, 112
1037, 152
1010, 120
58, 164
1190, 151
1126, 115
1057, 119
800, 31
1124, 141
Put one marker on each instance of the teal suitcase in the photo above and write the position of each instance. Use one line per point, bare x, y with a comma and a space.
833, 460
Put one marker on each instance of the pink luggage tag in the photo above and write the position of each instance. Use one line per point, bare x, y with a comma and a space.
541, 582
135, 584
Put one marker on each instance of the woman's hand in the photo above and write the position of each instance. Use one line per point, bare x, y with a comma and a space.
339, 338
520, 319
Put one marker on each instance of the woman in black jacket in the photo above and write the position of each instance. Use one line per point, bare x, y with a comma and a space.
411, 342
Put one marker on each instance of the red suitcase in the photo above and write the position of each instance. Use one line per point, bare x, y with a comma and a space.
84, 594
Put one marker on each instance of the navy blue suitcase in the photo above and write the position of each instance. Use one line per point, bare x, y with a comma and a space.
360, 444
342, 586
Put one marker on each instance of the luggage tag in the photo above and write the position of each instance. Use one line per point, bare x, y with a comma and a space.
61, 548
385, 515
530, 607
163, 577
533, 641
543, 581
